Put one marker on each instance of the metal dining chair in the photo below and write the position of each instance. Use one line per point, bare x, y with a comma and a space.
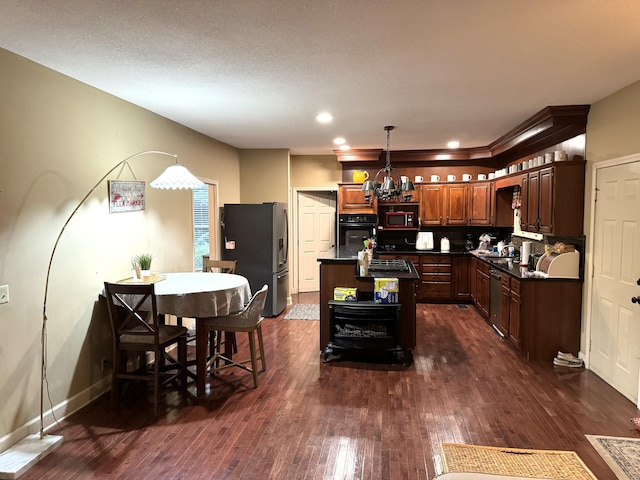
136, 327
249, 320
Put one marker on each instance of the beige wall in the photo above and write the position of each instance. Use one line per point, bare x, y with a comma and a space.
315, 171
57, 138
264, 175
613, 131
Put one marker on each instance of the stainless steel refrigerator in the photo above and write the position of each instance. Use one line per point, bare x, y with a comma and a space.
257, 237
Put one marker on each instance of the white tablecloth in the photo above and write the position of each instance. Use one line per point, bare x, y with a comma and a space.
202, 294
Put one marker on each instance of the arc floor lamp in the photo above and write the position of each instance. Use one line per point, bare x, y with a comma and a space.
26, 453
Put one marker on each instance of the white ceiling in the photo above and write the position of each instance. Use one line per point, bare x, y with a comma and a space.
254, 74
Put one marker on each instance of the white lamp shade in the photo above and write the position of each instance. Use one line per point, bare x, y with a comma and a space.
176, 177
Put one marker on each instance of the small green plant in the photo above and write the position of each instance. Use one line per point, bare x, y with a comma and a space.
144, 261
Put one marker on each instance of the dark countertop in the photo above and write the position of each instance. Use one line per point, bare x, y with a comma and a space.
503, 264
512, 267
420, 252
411, 275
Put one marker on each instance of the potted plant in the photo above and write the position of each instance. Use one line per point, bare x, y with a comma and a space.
144, 263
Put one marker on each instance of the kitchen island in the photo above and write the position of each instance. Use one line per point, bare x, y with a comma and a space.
343, 272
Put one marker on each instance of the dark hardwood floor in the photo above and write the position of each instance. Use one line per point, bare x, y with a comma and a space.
346, 420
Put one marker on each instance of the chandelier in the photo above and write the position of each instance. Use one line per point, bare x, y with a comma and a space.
392, 185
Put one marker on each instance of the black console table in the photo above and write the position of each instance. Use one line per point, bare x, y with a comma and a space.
367, 327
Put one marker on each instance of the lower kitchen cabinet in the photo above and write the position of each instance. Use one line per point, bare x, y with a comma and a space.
435, 279
514, 314
540, 317
461, 285
510, 311
481, 286
442, 277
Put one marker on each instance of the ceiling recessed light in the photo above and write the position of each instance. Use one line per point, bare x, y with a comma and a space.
324, 117
453, 144
345, 147
339, 141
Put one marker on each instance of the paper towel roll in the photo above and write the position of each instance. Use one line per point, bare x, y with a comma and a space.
524, 253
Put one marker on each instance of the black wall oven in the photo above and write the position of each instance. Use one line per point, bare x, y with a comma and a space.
353, 229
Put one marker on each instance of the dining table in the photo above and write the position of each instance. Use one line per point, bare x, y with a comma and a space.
200, 295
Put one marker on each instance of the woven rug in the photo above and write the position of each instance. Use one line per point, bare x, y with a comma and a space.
303, 311
621, 454
551, 464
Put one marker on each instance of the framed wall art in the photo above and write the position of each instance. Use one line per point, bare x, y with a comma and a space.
126, 195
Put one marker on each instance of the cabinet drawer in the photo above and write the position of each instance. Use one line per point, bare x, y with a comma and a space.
436, 259
515, 286
484, 267
506, 281
436, 277
436, 289
436, 268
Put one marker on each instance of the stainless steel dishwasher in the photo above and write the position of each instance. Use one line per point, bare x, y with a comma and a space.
495, 300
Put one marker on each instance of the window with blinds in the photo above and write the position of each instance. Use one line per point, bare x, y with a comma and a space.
201, 237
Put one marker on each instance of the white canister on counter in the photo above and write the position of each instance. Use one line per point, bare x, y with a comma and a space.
444, 244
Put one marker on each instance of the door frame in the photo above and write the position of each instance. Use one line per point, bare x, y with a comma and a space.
294, 197
214, 220
595, 168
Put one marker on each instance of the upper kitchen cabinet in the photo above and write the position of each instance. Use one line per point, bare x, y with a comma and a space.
431, 204
351, 199
443, 204
480, 203
455, 204
553, 199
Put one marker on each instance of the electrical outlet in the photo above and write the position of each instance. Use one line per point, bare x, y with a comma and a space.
4, 293
105, 364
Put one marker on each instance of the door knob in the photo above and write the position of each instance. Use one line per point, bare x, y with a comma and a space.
635, 299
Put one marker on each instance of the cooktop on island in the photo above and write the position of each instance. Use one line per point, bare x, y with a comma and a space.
389, 265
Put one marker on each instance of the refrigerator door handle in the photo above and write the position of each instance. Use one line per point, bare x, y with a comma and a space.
286, 237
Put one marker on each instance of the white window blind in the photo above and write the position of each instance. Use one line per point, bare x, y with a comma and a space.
201, 237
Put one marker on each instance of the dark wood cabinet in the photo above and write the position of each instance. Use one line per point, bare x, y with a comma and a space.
461, 284
431, 204
442, 277
510, 310
473, 290
480, 203
442, 204
455, 204
514, 314
482, 286
545, 200
537, 317
553, 199
351, 200
505, 297
435, 278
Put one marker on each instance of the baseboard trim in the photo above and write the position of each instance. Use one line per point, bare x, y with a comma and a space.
61, 410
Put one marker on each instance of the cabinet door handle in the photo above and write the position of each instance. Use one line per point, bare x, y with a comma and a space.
635, 299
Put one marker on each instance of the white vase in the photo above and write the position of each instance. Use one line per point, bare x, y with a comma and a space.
145, 274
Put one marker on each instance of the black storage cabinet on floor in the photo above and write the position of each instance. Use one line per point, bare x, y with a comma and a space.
366, 327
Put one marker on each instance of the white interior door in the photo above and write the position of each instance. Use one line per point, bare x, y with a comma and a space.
615, 320
316, 234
